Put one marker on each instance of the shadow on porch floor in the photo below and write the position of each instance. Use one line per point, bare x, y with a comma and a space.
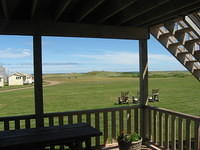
114, 146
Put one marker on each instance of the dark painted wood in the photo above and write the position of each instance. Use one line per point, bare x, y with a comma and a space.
40, 137
143, 71
150, 5
5, 9
105, 120
143, 58
62, 6
38, 89
129, 124
34, 7
136, 121
117, 7
197, 135
170, 9
97, 126
113, 126
138, 12
175, 113
88, 8
72, 30
47, 115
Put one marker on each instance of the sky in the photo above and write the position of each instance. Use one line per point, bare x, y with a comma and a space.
69, 55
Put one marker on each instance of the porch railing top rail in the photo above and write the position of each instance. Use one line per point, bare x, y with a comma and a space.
32, 116
171, 112
91, 111
21, 117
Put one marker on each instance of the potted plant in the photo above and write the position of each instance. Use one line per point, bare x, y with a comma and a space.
129, 141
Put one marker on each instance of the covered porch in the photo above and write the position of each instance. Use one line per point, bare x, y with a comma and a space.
119, 19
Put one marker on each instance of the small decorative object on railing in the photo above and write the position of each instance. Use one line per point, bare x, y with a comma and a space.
129, 141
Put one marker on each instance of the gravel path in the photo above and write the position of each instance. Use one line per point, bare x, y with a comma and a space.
49, 83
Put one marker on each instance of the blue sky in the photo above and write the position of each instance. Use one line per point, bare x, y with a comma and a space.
66, 55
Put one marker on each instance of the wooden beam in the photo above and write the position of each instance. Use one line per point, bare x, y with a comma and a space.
37, 55
5, 9
139, 11
90, 6
111, 11
34, 6
168, 9
143, 86
74, 30
61, 8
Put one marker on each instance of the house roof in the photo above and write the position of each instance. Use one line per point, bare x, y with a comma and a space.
89, 18
20, 74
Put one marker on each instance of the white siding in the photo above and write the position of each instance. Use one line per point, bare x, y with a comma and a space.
28, 80
15, 80
1, 82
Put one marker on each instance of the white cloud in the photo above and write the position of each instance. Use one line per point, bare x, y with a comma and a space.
127, 58
161, 58
15, 53
121, 58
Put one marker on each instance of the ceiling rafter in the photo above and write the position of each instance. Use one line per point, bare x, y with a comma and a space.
111, 11
61, 8
34, 6
171, 17
5, 9
171, 10
142, 11
90, 6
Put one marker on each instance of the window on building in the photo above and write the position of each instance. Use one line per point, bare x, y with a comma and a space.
18, 78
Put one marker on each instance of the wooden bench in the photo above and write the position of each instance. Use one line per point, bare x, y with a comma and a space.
32, 139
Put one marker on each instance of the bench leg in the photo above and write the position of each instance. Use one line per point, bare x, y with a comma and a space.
88, 144
76, 146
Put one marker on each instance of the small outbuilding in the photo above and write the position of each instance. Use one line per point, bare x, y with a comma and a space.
20, 79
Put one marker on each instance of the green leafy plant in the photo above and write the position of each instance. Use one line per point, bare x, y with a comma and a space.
128, 138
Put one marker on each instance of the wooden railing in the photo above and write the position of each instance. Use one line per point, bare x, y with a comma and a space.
165, 128
110, 121
173, 130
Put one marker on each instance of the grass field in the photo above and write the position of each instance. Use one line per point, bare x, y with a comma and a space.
179, 91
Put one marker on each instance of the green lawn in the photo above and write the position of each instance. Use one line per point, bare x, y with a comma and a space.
178, 91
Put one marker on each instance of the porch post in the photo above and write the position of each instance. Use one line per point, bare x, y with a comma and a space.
38, 89
143, 85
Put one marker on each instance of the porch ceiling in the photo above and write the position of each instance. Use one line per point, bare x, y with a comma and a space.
127, 19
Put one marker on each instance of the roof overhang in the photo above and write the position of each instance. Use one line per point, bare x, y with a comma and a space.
124, 19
